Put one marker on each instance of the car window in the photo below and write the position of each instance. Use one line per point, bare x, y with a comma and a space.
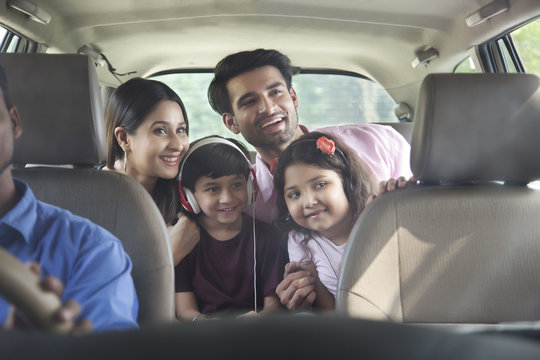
511, 65
11, 42
527, 42
514, 52
466, 66
325, 99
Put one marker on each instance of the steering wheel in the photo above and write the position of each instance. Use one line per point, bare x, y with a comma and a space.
22, 288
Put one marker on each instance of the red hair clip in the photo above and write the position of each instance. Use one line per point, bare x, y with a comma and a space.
326, 145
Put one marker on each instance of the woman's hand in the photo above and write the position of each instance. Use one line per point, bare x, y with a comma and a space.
184, 235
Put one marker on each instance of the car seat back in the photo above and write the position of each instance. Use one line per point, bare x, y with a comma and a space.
60, 106
463, 245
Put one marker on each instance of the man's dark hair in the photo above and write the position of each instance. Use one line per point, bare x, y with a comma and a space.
239, 63
4, 86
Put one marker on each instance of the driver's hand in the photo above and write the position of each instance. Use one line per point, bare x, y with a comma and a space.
68, 313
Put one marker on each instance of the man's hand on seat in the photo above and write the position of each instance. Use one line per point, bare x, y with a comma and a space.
391, 185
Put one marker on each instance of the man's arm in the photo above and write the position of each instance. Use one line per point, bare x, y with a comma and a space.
64, 318
99, 279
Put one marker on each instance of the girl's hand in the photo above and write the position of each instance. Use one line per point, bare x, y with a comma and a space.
309, 266
297, 290
184, 235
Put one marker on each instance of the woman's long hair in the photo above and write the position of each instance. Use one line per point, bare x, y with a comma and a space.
129, 105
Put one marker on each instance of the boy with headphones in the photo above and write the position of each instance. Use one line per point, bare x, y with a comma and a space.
237, 264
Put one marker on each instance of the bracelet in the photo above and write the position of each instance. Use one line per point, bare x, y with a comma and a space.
196, 317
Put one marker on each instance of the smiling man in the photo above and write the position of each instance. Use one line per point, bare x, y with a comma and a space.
252, 91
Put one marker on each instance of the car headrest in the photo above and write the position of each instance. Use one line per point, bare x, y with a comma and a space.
59, 102
477, 128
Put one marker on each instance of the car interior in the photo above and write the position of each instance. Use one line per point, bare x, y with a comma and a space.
475, 157
446, 267
64, 125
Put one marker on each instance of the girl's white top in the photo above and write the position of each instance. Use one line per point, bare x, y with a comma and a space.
323, 252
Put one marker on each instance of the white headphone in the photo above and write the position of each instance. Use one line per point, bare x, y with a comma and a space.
187, 199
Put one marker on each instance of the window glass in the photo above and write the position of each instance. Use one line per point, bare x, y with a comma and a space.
324, 100
527, 42
3, 33
507, 57
466, 66
192, 88
11, 42
341, 99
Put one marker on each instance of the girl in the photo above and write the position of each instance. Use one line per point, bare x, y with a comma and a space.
222, 275
322, 189
147, 136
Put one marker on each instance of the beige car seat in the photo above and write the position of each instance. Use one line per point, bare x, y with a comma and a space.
463, 246
62, 117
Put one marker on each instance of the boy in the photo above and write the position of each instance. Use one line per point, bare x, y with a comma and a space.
222, 275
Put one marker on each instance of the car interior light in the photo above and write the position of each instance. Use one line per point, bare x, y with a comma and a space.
32, 10
487, 12
424, 57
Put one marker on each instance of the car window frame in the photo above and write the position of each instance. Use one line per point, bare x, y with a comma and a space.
491, 53
23, 45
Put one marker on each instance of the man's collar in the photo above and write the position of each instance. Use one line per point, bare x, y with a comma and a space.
22, 217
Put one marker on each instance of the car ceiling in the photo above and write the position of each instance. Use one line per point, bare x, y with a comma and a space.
376, 38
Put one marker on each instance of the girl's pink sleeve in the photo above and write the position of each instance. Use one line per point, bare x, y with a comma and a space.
297, 253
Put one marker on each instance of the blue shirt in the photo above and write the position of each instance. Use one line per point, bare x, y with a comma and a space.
88, 259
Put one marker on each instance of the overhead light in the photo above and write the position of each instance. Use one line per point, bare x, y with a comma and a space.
424, 57
487, 12
32, 10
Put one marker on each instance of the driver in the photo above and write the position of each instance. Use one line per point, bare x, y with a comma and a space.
82, 262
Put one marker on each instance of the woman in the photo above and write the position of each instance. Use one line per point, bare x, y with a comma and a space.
147, 137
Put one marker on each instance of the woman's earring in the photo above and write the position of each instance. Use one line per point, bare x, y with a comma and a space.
288, 217
125, 160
